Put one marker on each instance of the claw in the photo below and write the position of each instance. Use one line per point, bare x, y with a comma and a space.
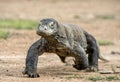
24, 72
34, 75
30, 74
74, 61
79, 66
38, 75
92, 69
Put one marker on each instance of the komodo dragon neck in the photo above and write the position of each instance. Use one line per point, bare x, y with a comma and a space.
59, 37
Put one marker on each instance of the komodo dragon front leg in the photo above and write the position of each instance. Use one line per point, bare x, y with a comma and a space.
81, 60
34, 51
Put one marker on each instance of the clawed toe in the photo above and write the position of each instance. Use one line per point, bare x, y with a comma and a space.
79, 67
34, 75
30, 74
92, 69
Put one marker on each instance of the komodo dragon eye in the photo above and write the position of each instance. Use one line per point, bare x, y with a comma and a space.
51, 24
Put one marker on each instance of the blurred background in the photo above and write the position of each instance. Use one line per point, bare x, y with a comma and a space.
19, 20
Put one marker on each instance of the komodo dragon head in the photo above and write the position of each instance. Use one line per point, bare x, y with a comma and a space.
47, 27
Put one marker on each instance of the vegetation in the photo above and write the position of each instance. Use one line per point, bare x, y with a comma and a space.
110, 78
105, 42
76, 16
18, 24
15, 24
105, 16
97, 78
95, 16
4, 34
107, 78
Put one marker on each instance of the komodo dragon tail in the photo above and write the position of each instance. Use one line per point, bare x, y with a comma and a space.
102, 56
91, 40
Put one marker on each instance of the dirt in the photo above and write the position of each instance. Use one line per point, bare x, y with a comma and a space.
81, 12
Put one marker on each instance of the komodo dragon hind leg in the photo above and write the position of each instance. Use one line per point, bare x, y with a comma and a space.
93, 52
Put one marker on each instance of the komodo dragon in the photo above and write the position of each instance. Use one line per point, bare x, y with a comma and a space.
66, 40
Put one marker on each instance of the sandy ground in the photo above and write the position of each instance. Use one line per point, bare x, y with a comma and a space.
13, 50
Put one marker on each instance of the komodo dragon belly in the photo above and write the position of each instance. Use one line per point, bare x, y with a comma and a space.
59, 49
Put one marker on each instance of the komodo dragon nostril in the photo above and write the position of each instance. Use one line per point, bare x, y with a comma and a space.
45, 27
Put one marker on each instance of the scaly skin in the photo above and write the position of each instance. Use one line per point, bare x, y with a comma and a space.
65, 41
